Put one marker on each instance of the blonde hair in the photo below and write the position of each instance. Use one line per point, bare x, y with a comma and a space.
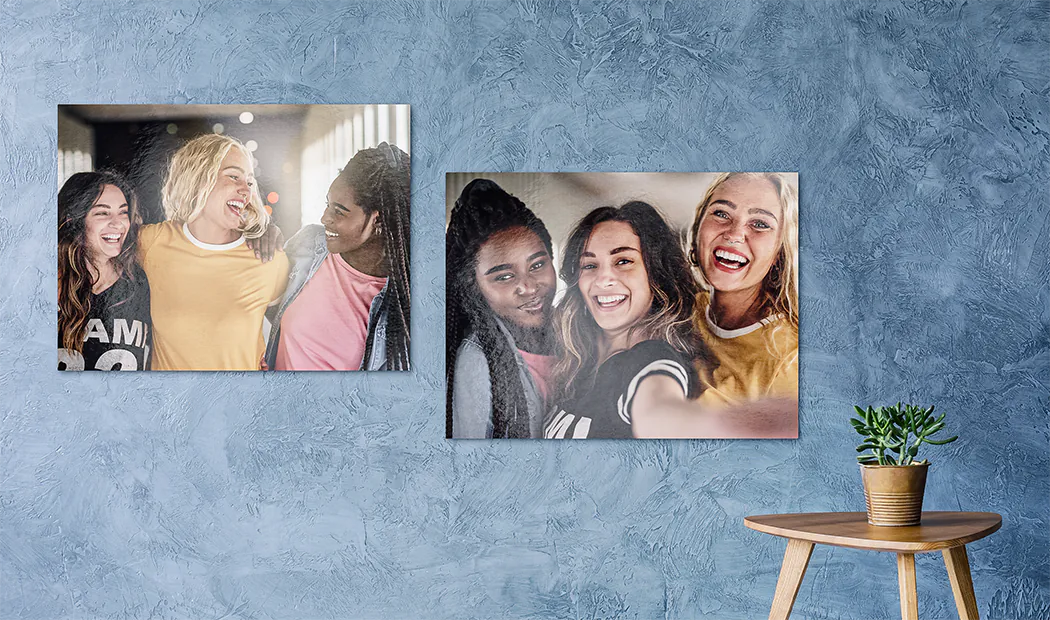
192, 175
780, 285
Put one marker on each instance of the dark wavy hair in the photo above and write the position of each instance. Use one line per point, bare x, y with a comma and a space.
672, 285
483, 209
380, 179
75, 199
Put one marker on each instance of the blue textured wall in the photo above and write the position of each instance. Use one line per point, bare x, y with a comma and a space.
920, 132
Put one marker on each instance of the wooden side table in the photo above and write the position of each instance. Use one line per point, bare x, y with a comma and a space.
947, 532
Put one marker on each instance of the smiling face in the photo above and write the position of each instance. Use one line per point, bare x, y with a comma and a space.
346, 225
739, 235
231, 193
516, 277
106, 224
614, 282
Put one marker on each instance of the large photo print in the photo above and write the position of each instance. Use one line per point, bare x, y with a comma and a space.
622, 305
233, 237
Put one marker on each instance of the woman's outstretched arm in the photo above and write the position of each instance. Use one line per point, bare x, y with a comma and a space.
660, 410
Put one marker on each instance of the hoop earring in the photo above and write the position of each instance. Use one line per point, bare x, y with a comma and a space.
775, 275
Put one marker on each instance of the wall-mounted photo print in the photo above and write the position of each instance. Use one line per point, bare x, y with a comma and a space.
621, 305
233, 237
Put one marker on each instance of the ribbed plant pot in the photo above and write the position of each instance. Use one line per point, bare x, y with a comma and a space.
893, 493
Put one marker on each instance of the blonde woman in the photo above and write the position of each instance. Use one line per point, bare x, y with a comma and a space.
744, 251
209, 290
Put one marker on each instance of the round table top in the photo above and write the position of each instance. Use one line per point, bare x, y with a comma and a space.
938, 530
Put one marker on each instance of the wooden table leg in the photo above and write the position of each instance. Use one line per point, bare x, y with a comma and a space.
906, 581
962, 584
796, 558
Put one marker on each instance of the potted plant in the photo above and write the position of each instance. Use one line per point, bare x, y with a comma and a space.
894, 481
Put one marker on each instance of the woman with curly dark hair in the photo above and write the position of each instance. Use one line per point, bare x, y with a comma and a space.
103, 296
348, 301
498, 341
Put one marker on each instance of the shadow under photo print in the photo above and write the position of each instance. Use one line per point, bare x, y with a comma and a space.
621, 305
233, 237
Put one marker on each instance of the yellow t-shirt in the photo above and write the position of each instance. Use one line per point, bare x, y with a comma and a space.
207, 301
754, 362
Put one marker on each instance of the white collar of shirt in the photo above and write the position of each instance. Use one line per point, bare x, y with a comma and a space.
736, 333
211, 246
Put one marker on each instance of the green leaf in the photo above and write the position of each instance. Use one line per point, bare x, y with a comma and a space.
941, 442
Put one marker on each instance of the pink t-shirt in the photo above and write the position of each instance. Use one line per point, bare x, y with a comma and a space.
325, 328
540, 368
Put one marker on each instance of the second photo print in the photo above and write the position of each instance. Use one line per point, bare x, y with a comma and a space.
621, 305
234, 237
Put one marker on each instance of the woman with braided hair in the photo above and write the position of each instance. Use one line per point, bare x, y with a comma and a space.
499, 340
347, 302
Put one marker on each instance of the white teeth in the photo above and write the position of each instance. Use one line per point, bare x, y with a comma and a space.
111, 238
611, 299
235, 204
329, 233
730, 256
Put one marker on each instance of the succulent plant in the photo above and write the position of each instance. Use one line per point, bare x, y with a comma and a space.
893, 434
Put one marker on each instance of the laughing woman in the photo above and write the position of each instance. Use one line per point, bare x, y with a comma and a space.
745, 254
348, 301
498, 334
103, 296
623, 326
209, 290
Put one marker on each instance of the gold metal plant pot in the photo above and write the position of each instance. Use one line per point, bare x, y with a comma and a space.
893, 493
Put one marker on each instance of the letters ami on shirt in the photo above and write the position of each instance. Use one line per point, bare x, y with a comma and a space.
125, 343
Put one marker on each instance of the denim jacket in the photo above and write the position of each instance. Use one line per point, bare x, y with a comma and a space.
472, 391
306, 251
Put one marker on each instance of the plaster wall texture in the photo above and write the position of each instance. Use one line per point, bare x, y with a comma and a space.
921, 136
